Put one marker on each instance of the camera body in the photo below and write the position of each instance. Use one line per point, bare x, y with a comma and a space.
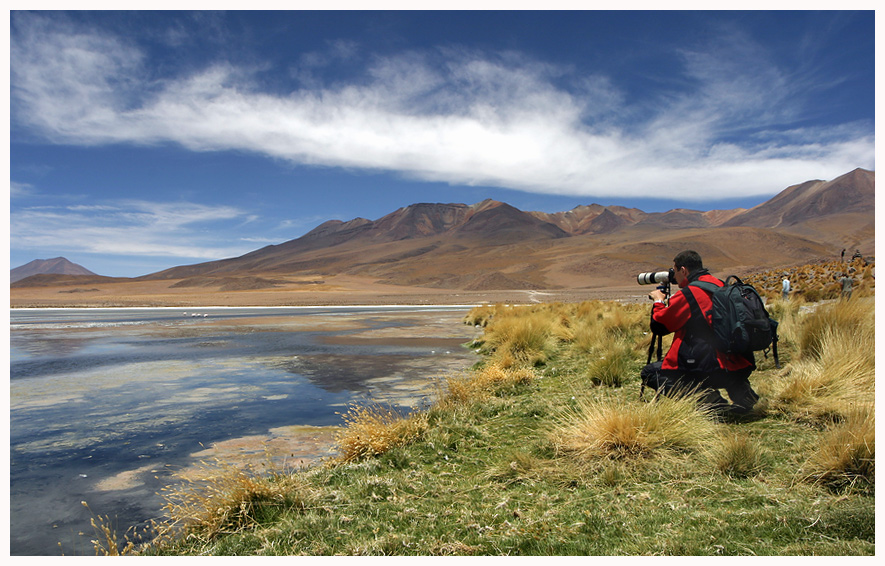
657, 278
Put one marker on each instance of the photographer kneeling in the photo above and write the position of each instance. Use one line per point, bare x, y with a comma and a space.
692, 363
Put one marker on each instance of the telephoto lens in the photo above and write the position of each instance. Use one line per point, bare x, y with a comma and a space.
654, 277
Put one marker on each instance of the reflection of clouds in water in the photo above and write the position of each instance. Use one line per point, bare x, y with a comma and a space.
61, 441
126, 480
282, 449
102, 407
158, 382
168, 392
413, 382
41, 344
286, 447
64, 388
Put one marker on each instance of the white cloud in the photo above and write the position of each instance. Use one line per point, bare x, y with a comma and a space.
449, 116
131, 227
18, 190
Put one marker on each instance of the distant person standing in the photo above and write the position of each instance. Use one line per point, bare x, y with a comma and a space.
847, 286
843, 254
785, 288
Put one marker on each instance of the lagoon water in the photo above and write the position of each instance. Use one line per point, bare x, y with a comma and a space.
108, 406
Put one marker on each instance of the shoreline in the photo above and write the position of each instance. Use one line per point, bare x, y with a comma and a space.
48, 298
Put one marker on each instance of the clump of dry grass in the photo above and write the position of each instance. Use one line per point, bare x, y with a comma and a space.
836, 368
481, 315
482, 383
222, 498
370, 430
736, 455
847, 317
606, 428
847, 452
613, 365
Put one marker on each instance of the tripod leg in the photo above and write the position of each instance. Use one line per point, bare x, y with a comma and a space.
659, 340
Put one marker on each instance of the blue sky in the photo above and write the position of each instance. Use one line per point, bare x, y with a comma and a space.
145, 140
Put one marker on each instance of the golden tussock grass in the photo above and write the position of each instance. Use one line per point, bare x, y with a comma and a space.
481, 315
221, 498
854, 318
523, 337
835, 369
604, 428
483, 383
212, 500
598, 324
371, 430
847, 452
737, 455
613, 365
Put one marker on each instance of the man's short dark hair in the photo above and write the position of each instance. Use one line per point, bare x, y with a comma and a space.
689, 259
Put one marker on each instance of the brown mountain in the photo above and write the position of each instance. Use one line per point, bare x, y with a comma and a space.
57, 266
853, 192
840, 212
492, 245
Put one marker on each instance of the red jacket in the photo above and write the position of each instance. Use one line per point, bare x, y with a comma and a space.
691, 348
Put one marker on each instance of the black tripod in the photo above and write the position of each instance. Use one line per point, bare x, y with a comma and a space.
656, 343
658, 339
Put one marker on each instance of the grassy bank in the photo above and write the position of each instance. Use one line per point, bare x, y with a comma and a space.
544, 448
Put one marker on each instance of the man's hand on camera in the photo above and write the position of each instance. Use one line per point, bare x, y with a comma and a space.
657, 295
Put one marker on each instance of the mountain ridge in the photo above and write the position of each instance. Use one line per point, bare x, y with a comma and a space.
478, 246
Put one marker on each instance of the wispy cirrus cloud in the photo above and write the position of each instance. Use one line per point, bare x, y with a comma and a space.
127, 227
460, 117
19, 190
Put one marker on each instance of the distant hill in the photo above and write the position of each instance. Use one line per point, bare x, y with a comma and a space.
54, 266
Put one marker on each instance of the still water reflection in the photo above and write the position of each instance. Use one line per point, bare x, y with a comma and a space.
106, 405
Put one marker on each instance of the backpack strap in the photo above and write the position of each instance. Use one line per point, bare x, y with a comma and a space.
693, 303
698, 322
706, 286
698, 318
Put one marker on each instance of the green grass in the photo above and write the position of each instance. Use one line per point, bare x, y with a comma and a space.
533, 453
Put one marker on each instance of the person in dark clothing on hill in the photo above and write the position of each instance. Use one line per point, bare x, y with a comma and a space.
692, 362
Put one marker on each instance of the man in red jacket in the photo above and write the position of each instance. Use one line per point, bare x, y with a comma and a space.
692, 361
